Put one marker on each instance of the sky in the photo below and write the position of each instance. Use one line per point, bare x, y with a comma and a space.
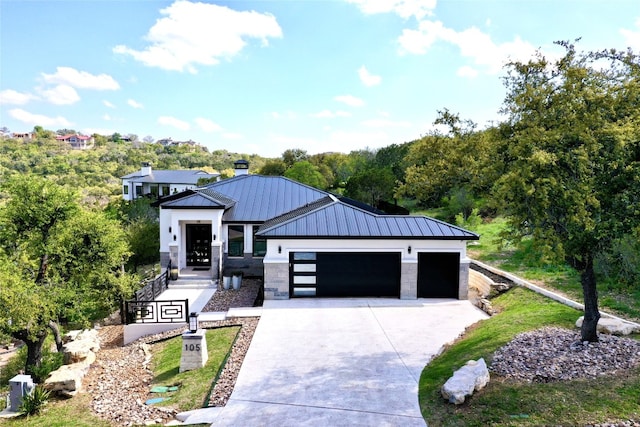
261, 77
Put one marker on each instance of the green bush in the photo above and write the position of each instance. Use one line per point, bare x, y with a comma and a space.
33, 403
50, 362
622, 261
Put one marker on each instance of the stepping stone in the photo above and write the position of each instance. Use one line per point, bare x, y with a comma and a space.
155, 400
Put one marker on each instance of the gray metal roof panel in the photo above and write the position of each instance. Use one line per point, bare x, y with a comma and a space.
340, 220
260, 198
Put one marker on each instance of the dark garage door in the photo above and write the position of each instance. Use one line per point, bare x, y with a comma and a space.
438, 275
347, 274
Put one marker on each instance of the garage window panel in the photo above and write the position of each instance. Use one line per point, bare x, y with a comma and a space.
304, 268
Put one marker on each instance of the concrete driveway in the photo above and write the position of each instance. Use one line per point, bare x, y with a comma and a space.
338, 362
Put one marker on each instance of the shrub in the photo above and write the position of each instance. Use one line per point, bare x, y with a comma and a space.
33, 403
50, 362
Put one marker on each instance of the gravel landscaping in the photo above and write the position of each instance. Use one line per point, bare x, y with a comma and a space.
557, 354
120, 379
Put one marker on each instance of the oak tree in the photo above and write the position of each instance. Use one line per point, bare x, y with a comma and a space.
573, 150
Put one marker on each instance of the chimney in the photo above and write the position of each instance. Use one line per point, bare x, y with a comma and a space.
241, 167
146, 169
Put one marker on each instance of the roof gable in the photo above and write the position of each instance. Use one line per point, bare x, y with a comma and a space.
340, 220
198, 200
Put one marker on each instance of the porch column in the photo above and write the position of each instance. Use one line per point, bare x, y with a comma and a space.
216, 260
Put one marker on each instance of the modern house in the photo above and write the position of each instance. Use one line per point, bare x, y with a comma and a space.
79, 142
308, 242
161, 183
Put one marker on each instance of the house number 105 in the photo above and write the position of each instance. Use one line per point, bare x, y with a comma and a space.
192, 347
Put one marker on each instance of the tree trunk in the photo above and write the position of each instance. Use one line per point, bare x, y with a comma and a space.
56, 334
589, 330
34, 354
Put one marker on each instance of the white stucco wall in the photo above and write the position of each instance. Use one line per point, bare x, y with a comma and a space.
177, 219
362, 245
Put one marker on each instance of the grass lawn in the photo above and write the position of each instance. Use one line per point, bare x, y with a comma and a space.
61, 413
195, 385
523, 262
193, 393
506, 403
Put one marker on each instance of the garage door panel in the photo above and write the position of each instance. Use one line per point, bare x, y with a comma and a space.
438, 275
358, 274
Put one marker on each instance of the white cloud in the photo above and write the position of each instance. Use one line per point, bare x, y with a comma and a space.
367, 78
193, 34
81, 79
173, 122
39, 119
61, 95
404, 8
631, 37
350, 100
473, 44
467, 71
106, 117
207, 125
108, 104
327, 114
13, 97
135, 104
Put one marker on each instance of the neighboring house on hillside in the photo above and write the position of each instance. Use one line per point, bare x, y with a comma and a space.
79, 142
307, 242
24, 135
160, 183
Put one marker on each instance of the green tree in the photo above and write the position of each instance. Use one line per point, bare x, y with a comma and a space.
573, 149
58, 263
440, 162
371, 185
306, 173
274, 167
294, 155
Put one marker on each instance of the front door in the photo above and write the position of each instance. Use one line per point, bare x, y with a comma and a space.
198, 245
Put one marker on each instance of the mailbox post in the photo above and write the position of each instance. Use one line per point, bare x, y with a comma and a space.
194, 346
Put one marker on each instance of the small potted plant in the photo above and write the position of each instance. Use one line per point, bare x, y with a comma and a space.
236, 279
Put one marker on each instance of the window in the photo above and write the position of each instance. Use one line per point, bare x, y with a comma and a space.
153, 189
259, 243
138, 190
125, 189
236, 240
165, 190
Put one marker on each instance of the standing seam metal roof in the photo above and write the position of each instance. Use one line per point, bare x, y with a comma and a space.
260, 198
336, 219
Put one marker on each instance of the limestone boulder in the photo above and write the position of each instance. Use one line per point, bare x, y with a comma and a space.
472, 377
608, 325
84, 344
67, 380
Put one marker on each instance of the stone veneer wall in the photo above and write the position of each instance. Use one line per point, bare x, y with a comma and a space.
463, 280
216, 255
249, 265
164, 259
276, 281
408, 280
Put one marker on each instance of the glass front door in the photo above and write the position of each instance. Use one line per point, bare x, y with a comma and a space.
198, 244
